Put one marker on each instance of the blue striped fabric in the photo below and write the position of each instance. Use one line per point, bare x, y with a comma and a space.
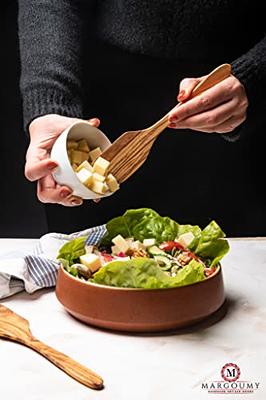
96, 235
43, 272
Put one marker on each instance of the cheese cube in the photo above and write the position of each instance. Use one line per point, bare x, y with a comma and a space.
185, 239
115, 249
79, 156
121, 243
85, 165
149, 242
98, 177
94, 154
137, 245
75, 167
83, 146
112, 183
98, 187
100, 166
69, 153
89, 248
84, 176
92, 261
72, 144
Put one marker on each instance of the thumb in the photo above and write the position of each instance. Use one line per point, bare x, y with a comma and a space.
94, 122
185, 88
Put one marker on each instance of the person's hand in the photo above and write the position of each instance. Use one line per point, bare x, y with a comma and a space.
43, 133
219, 109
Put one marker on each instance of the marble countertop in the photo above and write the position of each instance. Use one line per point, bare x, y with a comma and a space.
182, 365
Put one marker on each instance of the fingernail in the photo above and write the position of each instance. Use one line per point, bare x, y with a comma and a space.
76, 202
64, 193
173, 119
181, 95
52, 166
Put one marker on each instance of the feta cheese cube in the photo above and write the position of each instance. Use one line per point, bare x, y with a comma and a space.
112, 183
98, 177
72, 144
85, 165
121, 243
137, 245
98, 187
115, 249
78, 157
94, 154
185, 239
84, 176
92, 261
83, 145
149, 242
100, 166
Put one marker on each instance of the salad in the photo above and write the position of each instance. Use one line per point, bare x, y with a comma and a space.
142, 249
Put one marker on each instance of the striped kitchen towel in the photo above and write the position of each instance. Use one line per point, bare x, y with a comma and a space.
35, 271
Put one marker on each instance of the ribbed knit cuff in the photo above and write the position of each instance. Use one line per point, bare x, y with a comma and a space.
41, 102
232, 136
247, 73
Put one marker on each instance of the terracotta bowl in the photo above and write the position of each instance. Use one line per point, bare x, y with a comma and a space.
140, 310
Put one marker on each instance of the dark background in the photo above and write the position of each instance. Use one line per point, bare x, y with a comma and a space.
20, 213
234, 181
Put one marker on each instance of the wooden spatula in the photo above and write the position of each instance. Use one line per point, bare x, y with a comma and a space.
17, 329
131, 149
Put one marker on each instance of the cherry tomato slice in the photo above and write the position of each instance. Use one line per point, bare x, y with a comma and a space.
170, 245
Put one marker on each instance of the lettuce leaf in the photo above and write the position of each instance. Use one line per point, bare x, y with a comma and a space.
145, 273
212, 244
71, 251
141, 224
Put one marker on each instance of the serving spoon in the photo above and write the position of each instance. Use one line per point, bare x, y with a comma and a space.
132, 148
14, 327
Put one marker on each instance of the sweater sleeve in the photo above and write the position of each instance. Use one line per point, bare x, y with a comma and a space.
51, 37
250, 69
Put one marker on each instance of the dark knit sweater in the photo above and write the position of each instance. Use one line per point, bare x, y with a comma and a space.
54, 35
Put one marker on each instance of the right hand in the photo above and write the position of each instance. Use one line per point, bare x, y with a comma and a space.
43, 133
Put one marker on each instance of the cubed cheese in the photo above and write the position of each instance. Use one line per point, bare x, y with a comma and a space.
83, 146
98, 187
115, 249
100, 166
85, 165
121, 243
94, 154
149, 242
112, 183
69, 153
137, 245
92, 261
84, 176
89, 248
185, 239
72, 144
78, 157
98, 177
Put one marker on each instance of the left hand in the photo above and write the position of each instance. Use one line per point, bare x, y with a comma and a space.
219, 109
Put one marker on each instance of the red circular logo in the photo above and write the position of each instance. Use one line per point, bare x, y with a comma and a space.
230, 372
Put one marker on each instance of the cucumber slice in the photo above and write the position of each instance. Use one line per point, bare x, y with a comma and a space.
163, 261
154, 251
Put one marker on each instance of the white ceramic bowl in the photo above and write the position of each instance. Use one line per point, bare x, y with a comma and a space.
64, 174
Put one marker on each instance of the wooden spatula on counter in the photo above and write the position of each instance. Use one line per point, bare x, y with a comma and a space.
131, 149
17, 329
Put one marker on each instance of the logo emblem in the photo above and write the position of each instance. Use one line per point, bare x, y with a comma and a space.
230, 372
